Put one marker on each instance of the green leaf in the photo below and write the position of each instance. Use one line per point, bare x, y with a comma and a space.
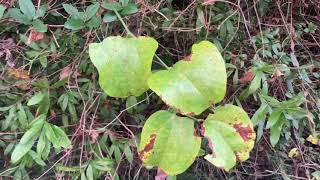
28, 139
72, 11
50, 134
18, 16
168, 141
254, 85
36, 158
103, 164
41, 143
74, 24
22, 116
114, 6
275, 131
128, 153
93, 23
43, 61
41, 11
46, 151
124, 2
260, 114
230, 134
45, 103
130, 102
109, 17
191, 86
89, 172
62, 137
316, 175
273, 119
129, 9
91, 11
36, 99
2, 9
28, 9
39, 26
124, 64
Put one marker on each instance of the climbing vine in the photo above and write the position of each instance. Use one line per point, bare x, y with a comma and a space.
189, 87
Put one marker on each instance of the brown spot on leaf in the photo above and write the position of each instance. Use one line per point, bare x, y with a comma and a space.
188, 58
244, 131
148, 146
213, 154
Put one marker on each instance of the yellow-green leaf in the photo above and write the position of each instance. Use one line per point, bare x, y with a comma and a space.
124, 64
230, 134
168, 141
191, 86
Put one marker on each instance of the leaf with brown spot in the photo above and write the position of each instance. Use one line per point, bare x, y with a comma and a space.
231, 136
193, 86
168, 141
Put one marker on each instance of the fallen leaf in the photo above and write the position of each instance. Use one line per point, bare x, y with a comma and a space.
313, 140
294, 152
66, 72
247, 77
34, 36
53, 114
19, 73
23, 84
94, 136
209, 2
277, 73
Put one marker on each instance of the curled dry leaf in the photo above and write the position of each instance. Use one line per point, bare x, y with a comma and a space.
277, 73
247, 77
34, 36
94, 136
23, 84
314, 139
294, 152
66, 72
19, 73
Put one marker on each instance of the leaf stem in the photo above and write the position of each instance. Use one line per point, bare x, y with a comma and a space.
124, 24
132, 35
164, 64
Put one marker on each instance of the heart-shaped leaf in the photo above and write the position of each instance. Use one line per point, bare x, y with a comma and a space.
191, 86
168, 141
230, 134
124, 64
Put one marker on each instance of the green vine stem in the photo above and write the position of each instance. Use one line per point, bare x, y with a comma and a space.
124, 24
132, 35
